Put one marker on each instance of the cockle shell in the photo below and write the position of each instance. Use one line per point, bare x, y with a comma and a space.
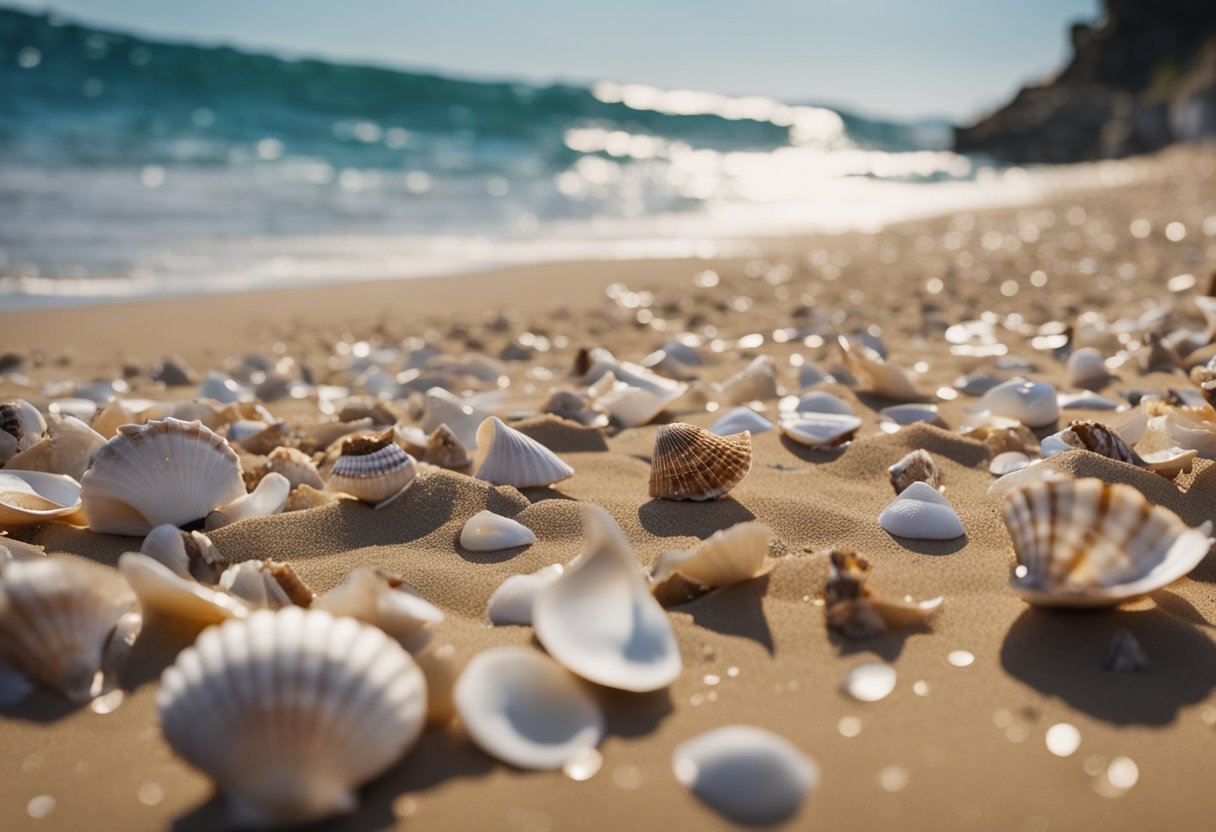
372, 468
856, 611
819, 430
21, 426
1085, 543
746, 774
727, 557
755, 382
509, 457
921, 512
738, 420
1033, 403
486, 531
690, 463
67, 623
1087, 367
515, 597
291, 711
525, 709
381, 600
916, 466
268, 498
67, 449
31, 497
165, 471
599, 618
296, 466
880, 376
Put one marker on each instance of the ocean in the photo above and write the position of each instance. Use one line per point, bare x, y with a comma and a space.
130, 167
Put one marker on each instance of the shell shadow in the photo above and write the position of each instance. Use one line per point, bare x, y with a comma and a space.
43, 706
633, 714
1060, 653
541, 493
931, 547
887, 646
806, 453
736, 610
157, 647
683, 518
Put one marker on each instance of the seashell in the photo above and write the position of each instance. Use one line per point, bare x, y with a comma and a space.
1087, 367
1008, 463
291, 711
738, 420
268, 498
118, 412
186, 554
372, 468
317, 434
1204, 377
1002, 436
755, 382
266, 583
1036, 471
174, 372
14, 550
68, 449
462, 418
438, 664
916, 466
1169, 462
975, 384
160, 588
166, 471
265, 441
509, 457
512, 602
444, 448
1106, 441
921, 512
746, 774
810, 374
727, 557
382, 601
881, 377
1083, 543
31, 497
1125, 655
525, 709
1085, 400
486, 531
690, 463
901, 415
856, 611
632, 405
599, 618
220, 388
295, 465
242, 430
305, 497
819, 430
815, 402
577, 407
380, 412
669, 363
67, 623
82, 409
1179, 427
1033, 403
21, 426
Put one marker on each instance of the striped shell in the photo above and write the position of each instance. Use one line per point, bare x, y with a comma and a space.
513, 458
372, 468
690, 463
1083, 543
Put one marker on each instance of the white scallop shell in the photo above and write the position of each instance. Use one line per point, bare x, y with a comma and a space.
462, 418
67, 449
291, 711
381, 600
513, 601
921, 512
1086, 366
819, 429
509, 457
166, 471
599, 618
738, 420
486, 531
372, 477
268, 498
31, 497
755, 382
66, 623
525, 709
1033, 403
747, 774
729, 556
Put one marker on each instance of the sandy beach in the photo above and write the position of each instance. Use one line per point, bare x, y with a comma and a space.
952, 747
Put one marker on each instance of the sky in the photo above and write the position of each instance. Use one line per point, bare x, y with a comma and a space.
902, 58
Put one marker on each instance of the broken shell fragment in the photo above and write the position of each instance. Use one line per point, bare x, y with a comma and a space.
690, 463
444, 448
1007, 463
382, 601
266, 583
372, 468
486, 531
819, 430
727, 557
755, 382
916, 466
1033, 403
509, 457
67, 449
268, 498
922, 513
515, 597
739, 420
21, 426
854, 610
160, 588
186, 554
296, 466
880, 376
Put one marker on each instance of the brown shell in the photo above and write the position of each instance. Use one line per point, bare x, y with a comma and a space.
691, 463
275, 436
1106, 441
293, 587
855, 611
444, 448
917, 466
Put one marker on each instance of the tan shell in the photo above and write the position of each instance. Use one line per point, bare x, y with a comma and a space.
856, 612
294, 464
727, 557
444, 448
917, 466
305, 497
690, 463
372, 468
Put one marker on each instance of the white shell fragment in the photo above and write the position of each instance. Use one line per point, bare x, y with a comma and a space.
31, 497
382, 601
738, 420
67, 449
160, 588
268, 498
747, 774
881, 377
525, 709
921, 512
819, 429
1007, 463
1033, 403
21, 426
600, 620
515, 597
291, 711
755, 382
509, 457
486, 531
901, 415
461, 417
727, 557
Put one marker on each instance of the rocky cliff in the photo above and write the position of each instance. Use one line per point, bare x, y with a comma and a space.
1142, 77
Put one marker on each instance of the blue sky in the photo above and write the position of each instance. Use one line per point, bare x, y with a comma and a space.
893, 57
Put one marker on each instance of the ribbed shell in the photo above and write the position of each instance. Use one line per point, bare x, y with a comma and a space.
690, 463
57, 616
372, 468
1100, 439
1089, 543
290, 711
513, 458
165, 471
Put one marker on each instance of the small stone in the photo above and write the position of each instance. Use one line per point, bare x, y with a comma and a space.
174, 372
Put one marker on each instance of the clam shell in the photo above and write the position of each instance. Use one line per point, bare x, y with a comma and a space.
1086, 367
916, 466
755, 382
1033, 403
819, 429
727, 557
166, 471
68, 449
66, 623
268, 498
509, 457
738, 420
747, 774
525, 709
291, 711
486, 531
515, 597
599, 618
31, 497
382, 601
921, 512
372, 468
1083, 543
690, 463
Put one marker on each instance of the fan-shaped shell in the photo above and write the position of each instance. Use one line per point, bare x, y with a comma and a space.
381, 600
372, 468
524, 708
31, 497
513, 601
486, 531
165, 471
512, 458
290, 711
729, 556
66, 623
690, 463
1033, 403
738, 420
1086, 543
922, 513
600, 620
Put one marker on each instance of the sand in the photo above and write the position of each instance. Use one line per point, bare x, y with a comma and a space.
951, 748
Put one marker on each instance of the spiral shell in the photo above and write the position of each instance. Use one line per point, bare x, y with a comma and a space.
372, 468
690, 463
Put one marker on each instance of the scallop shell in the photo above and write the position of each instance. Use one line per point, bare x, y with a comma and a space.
486, 531
268, 498
747, 774
381, 600
916, 466
21, 426
755, 382
819, 429
525, 709
372, 468
690, 463
67, 623
738, 420
1087, 367
922, 513
1033, 403
880, 376
515, 597
509, 457
856, 611
31, 497
166, 471
291, 711
599, 618
296, 466
266, 583
727, 557
1084, 543
68, 449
